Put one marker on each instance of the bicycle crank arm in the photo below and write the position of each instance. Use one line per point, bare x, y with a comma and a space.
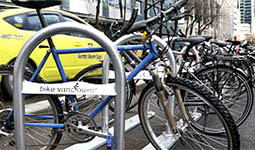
5, 133
91, 132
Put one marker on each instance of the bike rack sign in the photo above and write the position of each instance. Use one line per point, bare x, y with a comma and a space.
142, 75
68, 88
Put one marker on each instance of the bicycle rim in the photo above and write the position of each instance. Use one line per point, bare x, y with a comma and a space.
157, 130
36, 106
232, 88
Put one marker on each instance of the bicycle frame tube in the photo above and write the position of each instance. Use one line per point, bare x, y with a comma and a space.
46, 125
56, 52
140, 66
100, 49
39, 68
41, 117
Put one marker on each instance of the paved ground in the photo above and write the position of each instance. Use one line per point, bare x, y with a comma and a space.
247, 132
136, 139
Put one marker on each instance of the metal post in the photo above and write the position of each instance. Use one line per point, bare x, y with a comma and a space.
28, 48
105, 112
119, 115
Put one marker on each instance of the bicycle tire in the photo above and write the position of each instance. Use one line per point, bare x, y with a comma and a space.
153, 128
36, 137
237, 82
8, 88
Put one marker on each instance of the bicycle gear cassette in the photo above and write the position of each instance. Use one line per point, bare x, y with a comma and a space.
74, 131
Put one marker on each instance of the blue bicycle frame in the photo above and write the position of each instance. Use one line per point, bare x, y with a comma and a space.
56, 52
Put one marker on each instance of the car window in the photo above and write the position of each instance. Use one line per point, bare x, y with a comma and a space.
52, 19
69, 19
17, 21
35, 23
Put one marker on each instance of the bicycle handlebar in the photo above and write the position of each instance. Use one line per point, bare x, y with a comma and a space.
181, 3
129, 24
144, 23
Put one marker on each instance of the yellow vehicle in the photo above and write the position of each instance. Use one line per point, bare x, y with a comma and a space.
18, 25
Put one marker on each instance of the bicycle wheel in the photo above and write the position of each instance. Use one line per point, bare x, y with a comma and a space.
93, 74
231, 87
7, 81
36, 106
156, 129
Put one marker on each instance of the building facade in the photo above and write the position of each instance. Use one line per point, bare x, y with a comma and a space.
236, 19
247, 14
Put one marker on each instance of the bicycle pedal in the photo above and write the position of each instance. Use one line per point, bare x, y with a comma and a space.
12, 143
99, 128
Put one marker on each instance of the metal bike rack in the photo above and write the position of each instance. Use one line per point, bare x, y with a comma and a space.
160, 42
22, 59
130, 123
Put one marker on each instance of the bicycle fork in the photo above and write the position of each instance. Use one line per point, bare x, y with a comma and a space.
165, 102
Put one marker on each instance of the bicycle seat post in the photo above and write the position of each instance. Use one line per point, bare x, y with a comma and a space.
44, 24
38, 5
41, 18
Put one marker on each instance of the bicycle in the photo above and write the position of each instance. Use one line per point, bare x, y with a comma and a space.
227, 83
82, 127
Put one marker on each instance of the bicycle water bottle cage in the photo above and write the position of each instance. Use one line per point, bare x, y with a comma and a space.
36, 4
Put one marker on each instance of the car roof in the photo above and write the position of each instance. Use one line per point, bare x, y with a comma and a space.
9, 12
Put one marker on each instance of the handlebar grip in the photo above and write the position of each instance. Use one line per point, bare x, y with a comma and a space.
181, 3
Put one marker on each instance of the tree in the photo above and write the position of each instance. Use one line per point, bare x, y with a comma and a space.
204, 12
121, 7
97, 13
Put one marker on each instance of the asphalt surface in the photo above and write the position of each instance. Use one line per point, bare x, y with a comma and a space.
247, 132
136, 139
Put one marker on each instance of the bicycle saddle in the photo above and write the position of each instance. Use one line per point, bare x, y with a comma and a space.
234, 42
207, 37
36, 4
192, 40
220, 43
